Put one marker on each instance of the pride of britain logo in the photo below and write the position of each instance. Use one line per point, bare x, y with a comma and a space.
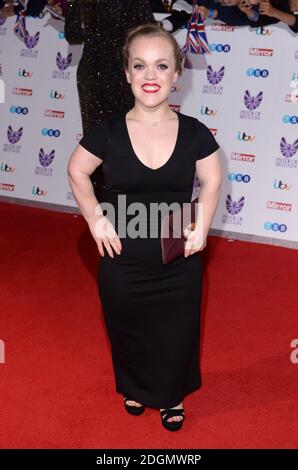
233, 207
45, 160
30, 43
251, 103
13, 137
288, 150
214, 77
63, 63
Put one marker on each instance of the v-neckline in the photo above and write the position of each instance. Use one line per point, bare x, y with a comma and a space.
170, 157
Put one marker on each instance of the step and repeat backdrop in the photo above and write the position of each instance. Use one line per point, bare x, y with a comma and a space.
245, 91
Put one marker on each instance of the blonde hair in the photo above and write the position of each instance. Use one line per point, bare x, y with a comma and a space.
153, 30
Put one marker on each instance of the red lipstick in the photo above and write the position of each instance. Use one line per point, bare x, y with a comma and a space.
150, 87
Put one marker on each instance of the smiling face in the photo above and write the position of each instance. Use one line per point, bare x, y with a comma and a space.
151, 70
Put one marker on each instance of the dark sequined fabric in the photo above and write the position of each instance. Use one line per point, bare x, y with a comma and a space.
101, 26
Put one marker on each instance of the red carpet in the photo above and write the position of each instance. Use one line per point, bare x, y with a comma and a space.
57, 388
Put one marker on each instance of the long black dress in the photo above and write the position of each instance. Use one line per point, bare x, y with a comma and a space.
152, 311
101, 25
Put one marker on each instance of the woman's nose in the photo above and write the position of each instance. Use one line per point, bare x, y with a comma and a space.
150, 73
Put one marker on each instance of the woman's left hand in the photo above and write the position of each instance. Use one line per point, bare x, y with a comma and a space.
194, 241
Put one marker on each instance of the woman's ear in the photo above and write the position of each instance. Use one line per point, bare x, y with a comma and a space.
176, 75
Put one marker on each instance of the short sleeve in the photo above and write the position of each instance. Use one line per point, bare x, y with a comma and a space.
206, 143
95, 141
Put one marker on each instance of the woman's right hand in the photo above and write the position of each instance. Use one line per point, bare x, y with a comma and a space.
104, 235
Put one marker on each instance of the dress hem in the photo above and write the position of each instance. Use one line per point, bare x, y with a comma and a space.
159, 405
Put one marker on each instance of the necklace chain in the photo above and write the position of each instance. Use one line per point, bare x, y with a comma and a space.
154, 123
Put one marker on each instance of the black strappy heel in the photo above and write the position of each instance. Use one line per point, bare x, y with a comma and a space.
169, 413
132, 409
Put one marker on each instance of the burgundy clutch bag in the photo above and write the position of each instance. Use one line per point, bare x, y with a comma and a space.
172, 231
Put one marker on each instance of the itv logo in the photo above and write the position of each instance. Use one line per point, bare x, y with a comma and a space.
278, 184
54, 94
245, 137
7, 168
39, 192
25, 73
208, 111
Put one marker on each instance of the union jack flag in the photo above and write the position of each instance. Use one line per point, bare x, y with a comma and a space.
20, 26
196, 39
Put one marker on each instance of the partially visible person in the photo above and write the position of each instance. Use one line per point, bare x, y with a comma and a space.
33, 8
266, 12
101, 27
179, 13
228, 11
57, 8
278, 10
251, 13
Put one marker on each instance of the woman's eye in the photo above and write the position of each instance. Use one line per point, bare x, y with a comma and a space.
163, 66
137, 66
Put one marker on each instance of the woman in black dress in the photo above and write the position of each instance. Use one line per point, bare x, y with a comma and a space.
149, 156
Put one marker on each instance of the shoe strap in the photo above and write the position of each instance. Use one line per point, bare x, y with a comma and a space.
170, 412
